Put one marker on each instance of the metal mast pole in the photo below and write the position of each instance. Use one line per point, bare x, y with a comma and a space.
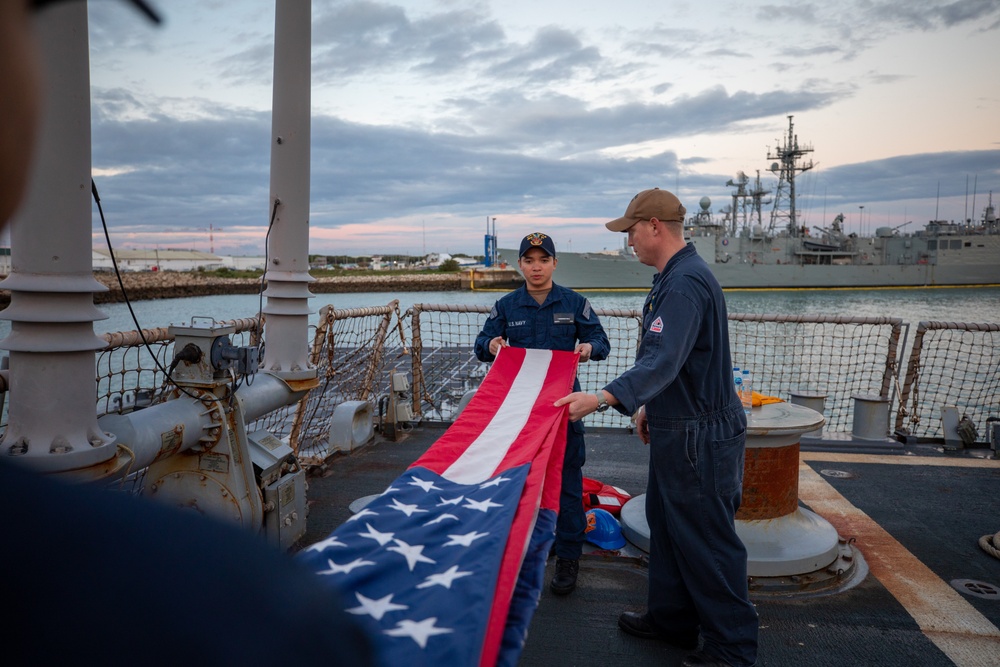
52, 422
287, 310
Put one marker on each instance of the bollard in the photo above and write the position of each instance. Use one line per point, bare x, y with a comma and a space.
782, 539
871, 417
814, 400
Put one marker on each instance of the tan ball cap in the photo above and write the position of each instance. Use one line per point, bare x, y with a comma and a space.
656, 203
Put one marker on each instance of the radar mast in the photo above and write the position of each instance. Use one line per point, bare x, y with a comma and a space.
788, 155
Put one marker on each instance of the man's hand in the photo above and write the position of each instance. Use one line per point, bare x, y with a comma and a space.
641, 425
496, 344
580, 404
584, 350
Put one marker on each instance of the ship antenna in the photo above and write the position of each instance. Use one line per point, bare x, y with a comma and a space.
937, 201
788, 155
975, 185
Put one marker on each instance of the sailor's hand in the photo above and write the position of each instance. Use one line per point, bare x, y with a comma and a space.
580, 404
584, 350
496, 344
641, 425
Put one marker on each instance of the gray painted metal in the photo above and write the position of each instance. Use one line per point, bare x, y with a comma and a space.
52, 425
287, 309
781, 262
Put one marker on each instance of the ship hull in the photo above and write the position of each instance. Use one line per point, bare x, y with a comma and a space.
782, 264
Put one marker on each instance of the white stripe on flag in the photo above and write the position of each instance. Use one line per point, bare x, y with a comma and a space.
480, 460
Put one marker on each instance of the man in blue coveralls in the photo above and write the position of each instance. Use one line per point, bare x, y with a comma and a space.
543, 315
681, 392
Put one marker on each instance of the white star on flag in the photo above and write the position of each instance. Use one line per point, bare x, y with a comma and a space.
372, 534
425, 484
412, 553
331, 541
418, 632
463, 540
408, 510
346, 567
364, 512
494, 482
481, 505
453, 501
441, 518
376, 608
443, 579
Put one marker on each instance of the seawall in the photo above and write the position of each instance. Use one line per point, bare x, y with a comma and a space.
142, 286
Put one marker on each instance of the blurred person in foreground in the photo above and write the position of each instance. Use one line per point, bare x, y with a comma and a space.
542, 315
686, 409
100, 576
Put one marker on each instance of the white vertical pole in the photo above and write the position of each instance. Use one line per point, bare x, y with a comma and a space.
52, 422
287, 310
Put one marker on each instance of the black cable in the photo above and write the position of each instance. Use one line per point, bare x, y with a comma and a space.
260, 292
121, 284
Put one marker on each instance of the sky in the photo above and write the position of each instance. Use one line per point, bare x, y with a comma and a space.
430, 118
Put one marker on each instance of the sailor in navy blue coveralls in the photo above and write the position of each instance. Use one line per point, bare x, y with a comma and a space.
558, 323
681, 389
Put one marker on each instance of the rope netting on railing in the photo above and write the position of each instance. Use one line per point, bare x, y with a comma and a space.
952, 364
356, 350
838, 357
353, 351
445, 366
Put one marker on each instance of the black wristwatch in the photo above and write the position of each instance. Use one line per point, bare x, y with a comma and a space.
602, 403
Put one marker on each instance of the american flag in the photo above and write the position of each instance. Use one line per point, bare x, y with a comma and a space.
446, 565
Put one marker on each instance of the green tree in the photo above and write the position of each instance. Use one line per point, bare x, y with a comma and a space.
449, 266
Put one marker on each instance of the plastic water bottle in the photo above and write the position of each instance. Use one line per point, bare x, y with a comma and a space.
746, 392
738, 381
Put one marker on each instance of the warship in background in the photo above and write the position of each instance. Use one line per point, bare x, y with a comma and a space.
785, 254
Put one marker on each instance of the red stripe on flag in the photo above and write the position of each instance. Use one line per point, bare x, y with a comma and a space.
477, 414
546, 429
541, 441
558, 382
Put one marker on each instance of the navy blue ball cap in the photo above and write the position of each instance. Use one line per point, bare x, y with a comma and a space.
537, 240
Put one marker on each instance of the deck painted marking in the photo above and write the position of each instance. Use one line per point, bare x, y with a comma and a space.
967, 637
897, 459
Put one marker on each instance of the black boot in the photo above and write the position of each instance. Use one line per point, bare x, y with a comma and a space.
565, 580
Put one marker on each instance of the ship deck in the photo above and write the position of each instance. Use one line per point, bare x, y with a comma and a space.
930, 596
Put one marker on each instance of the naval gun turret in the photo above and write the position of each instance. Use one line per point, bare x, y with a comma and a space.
889, 232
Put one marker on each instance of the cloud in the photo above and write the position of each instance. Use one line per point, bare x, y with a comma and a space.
563, 125
932, 15
357, 38
915, 176
480, 115
167, 175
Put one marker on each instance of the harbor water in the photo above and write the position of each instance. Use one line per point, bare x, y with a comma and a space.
911, 305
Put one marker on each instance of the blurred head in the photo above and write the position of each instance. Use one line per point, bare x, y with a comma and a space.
20, 102
20, 95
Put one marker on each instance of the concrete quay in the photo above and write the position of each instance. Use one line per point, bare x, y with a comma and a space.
149, 285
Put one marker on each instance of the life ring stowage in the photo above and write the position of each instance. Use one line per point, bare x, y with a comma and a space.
725, 241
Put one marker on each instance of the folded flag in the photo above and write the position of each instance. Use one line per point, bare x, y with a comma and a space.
760, 399
447, 563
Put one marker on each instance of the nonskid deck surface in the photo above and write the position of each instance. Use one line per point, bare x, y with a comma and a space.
931, 596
